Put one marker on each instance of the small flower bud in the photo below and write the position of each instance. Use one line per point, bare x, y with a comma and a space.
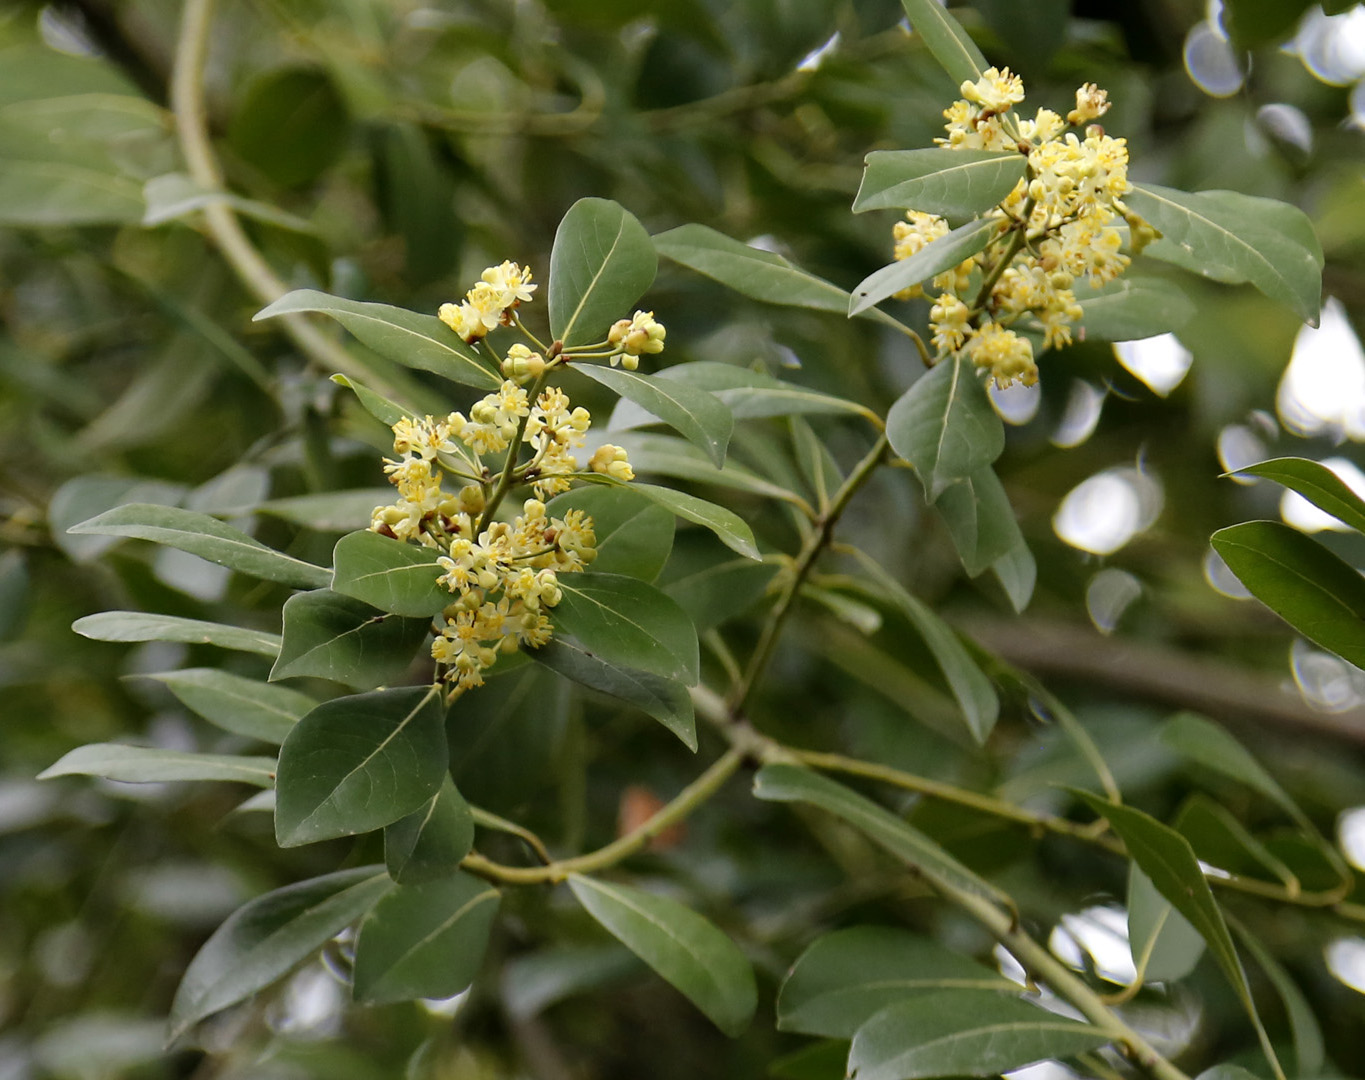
612, 461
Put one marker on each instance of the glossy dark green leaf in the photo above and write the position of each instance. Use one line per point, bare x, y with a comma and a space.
753, 272
945, 427
666, 455
208, 538
634, 533
1165, 946
950, 183
359, 763
1316, 483
1307, 586
291, 124
1234, 238
430, 842
335, 637
729, 528
1017, 572
601, 263
152, 765
263, 940
792, 783
138, 626
328, 511
845, 977
629, 623
980, 520
424, 941
237, 704
963, 1033
1133, 307
389, 575
719, 593
682, 946
942, 254
955, 52
695, 414
665, 700
405, 337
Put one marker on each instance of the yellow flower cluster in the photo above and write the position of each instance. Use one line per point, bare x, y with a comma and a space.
504, 576
1065, 208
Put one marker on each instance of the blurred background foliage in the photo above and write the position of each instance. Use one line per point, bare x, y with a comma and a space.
386, 150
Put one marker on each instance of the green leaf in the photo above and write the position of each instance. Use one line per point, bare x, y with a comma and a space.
945, 427
753, 272
1316, 483
970, 688
1220, 840
792, 783
424, 941
1017, 573
682, 946
359, 763
152, 765
601, 263
730, 529
175, 195
389, 575
949, 44
695, 414
1301, 581
405, 337
845, 977
328, 511
719, 593
629, 623
1202, 741
237, 704
942, 254
1165, 946
665, 455
826, 1059
45, 194
290, 124
1252, 23
1303, 1022
335, 637
1133, 307
430, 842
1236, 238
666, 701
980, 520
634, 534
950, 183
263, 940
137, 626
963, 1033
748, 394
381, 408
206, 537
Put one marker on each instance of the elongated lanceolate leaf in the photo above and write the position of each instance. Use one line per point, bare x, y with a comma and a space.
730, 529
949, 183
238, 704
753, 272
1233, 238
792, 783
1301, 581
1316, 483
1165, 946
1309, 1048
945, 427
1131, 308
139, 626
359, 763
206, 537
629, 623
1017, 572
934, 258
698, 416
335, 637
405, 337
669, 456
963, 1033
389, 575
601, 263
980, 520
424, 941
949, 44
666, 701
151, 765
263, 940
430, 842
845, 977
748, 394
682, 946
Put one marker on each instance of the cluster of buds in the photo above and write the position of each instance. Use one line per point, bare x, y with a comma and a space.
1069, 207
504, 576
